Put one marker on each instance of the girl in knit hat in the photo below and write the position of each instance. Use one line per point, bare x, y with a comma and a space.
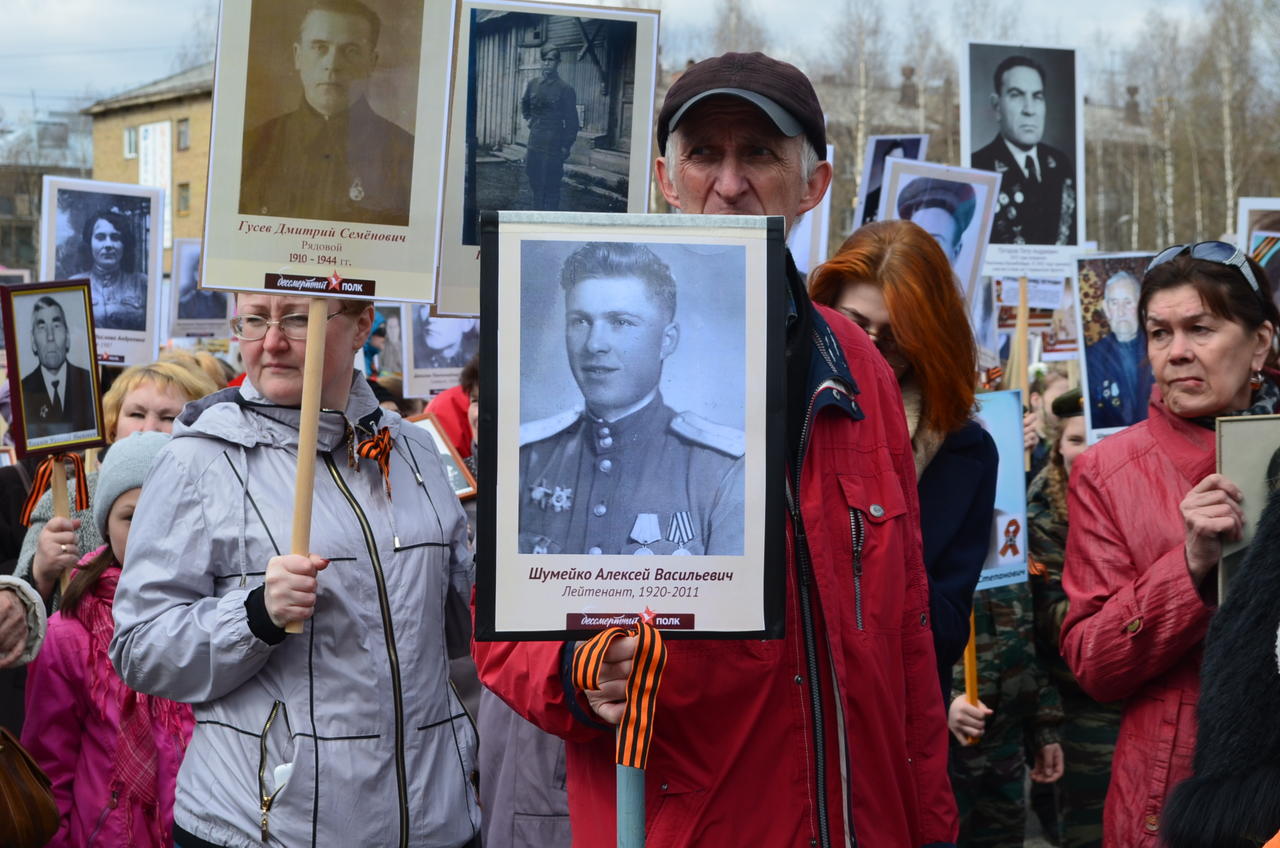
112, 753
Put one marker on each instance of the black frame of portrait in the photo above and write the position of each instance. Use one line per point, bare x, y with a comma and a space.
14, 344
769, 500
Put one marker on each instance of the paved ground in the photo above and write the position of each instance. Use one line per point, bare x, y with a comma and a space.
503, 185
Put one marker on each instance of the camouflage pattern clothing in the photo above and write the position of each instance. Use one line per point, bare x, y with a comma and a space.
989, 777
1090, 729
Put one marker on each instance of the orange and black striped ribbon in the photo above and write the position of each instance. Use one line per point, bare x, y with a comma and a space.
1263, 248
378, 448
636, 729
992, 377
44, 479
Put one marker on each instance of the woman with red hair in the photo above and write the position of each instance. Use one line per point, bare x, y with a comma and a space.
893, 280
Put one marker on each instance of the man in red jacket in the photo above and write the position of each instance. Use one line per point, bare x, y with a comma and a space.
833, 735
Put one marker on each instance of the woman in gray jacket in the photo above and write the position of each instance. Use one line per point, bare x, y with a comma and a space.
348, 734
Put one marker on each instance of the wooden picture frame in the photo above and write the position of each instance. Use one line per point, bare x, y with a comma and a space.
36, 349
460, 477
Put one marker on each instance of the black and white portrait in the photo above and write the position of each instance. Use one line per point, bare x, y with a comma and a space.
1024, 123
631, 398
197, 311
440, 342
330, 108
879, 148
550, 113
951, 204
104, 238
57, 387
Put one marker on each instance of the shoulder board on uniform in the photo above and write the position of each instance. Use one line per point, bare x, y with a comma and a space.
545, 428
695, 428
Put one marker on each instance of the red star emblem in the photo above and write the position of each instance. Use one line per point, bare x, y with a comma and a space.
648, 615
334, 281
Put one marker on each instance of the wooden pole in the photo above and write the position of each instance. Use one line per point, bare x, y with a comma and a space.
971, 670
61, 507
308, 424
1019, 350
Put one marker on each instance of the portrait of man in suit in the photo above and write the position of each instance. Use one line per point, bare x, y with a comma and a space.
57, 396
1038, 187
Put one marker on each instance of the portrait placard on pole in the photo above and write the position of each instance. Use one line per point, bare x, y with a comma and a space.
1258, 234
196, 313
109, 234
1249, 456
880, 148
1115, 376
328, 181
631, 425
53, 375
1022, 116
553, 110
1000, 414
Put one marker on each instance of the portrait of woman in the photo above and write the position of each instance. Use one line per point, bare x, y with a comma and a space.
110, 256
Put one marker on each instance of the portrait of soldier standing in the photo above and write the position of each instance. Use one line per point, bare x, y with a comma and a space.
550, 107
1037, 200
333, 157
626, 474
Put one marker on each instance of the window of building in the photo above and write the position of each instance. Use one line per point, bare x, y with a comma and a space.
184, 199
184, 133
131, 142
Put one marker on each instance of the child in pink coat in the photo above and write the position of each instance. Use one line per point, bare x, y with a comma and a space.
112, 753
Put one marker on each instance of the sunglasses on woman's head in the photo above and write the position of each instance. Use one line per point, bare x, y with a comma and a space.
1217, 252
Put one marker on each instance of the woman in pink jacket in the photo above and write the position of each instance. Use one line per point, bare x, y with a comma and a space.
1149, 515
112, 753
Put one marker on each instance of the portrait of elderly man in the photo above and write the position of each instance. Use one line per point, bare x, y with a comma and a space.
550, 107
1119, 376
624, 473
119, 291
57, 397
838, 724
942, 208
333, 157
1038, 186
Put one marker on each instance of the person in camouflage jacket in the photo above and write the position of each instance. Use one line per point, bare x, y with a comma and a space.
1089, 729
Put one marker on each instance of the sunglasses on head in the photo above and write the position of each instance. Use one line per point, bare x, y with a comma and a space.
1218, 252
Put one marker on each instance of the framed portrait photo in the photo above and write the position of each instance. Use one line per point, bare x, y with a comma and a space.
1000, 414
439, 347
880, 148
553, 111
196, 312
108, 234
14, 276
460, 477
53, 373
1258, 234
1115, 377
1248, 453
325, 184
1022, 116
954, 205
630, 420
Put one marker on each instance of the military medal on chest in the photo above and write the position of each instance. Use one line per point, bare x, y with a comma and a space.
645, 532
680, 532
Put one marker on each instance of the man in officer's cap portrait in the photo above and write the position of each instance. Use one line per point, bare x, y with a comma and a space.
1038, 185
942, 208
333, 157
624, 473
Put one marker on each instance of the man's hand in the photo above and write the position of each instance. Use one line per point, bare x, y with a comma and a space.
610, 700
1049, 764
56, 552
966, 721
1211, 514
291, 584
13, 627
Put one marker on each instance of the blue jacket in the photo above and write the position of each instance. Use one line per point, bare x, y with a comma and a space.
957, 495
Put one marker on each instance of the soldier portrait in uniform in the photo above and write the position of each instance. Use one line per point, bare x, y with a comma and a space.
329, 110
103, 238
615, 462
879, 148
550, 126
1117, 375
1023, 125
192, 302
55, 378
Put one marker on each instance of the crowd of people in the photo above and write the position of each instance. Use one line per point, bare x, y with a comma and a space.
169, 705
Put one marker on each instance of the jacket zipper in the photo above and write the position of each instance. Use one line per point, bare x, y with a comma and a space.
858, 536
111, 805
266, 799
384, 606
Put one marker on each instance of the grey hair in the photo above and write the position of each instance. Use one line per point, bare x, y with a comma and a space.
808, 155
1118, 278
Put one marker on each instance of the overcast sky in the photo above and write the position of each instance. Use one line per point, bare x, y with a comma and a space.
57, 53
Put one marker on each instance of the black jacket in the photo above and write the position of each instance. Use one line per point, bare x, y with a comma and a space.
78, 410
1029, 212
